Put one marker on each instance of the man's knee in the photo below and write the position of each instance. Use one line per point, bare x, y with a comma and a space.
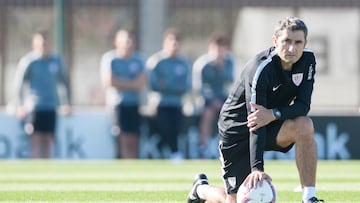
303, 127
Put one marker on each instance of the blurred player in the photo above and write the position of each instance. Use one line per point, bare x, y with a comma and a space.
169, 76
267, 110
212, 76
38, 77
122, 70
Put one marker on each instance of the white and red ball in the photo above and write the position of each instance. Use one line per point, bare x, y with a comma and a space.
261, 194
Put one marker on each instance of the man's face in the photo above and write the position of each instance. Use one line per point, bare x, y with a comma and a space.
40, 44
171, 45
289, 46
123, 40
217, 51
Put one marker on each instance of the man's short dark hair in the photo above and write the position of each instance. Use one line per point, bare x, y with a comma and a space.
219, 39
172, 31
293, 24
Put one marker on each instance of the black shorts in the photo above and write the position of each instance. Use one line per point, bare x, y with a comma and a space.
43, 121
169, 121
235, 157
127, 118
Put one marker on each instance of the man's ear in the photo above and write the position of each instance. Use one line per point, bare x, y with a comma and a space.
274, 40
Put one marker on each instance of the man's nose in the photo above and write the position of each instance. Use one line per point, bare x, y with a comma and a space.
292, 48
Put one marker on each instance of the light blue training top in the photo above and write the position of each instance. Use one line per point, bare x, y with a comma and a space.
39, 81
123, 68
211, 80
170, 77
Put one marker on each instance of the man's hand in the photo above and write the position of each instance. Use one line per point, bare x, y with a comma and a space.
256, 176
20, 113
65, 110
260, 117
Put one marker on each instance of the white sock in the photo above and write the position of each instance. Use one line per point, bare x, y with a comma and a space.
308, 192
200, 191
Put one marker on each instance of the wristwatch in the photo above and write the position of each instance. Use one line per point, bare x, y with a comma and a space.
277, 113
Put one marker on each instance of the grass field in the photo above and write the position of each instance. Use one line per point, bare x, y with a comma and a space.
155, 180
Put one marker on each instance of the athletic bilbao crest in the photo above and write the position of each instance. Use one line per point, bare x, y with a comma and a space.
297, 78
232, 181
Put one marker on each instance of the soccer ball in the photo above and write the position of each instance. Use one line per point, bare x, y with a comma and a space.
264, 194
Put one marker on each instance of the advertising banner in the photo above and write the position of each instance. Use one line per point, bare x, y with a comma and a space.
87, 135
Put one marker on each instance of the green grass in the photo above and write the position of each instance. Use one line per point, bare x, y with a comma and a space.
155, 180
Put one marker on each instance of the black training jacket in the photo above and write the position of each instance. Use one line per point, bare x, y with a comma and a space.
264, 82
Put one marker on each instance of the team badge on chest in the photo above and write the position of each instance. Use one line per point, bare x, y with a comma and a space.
297, 78
53, 68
